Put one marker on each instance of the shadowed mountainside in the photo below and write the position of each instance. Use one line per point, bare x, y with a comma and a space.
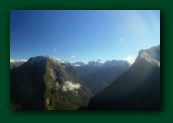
42, 83
96, 76
137, 88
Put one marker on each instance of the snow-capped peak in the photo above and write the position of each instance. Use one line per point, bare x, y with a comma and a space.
100, 61
63, 61
95, 64
77, 64
118, 63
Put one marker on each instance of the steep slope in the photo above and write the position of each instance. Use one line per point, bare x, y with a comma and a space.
42, 83
137, 88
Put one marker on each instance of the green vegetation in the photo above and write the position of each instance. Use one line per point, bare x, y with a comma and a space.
38, 84
57, 99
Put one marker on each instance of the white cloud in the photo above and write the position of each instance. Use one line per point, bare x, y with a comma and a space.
68, 85
22, 60
56, 58
130, 59
73, 56
12, 60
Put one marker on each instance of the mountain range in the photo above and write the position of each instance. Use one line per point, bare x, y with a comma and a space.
44, 83
98, 75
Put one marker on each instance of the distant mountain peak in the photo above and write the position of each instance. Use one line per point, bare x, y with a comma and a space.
64, 61
94, 64
100, 61
118, 63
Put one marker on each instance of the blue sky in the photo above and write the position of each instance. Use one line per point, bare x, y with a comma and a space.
82, 35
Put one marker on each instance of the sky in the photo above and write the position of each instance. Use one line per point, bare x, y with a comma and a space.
83, 35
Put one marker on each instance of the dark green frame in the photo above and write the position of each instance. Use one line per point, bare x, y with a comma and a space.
165, 114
